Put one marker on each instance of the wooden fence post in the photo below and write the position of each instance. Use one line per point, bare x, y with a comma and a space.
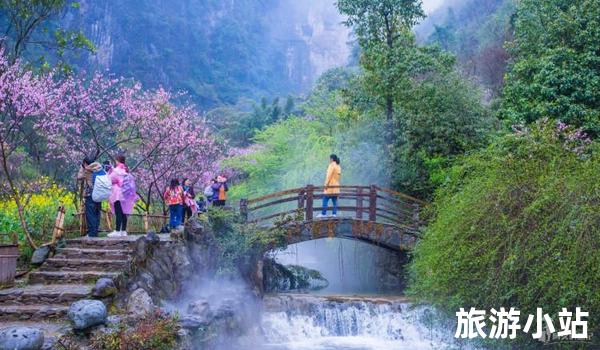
310, 189
359, 203
108, 219
301, 199
59, 224
146, 223
244, 209
373, 203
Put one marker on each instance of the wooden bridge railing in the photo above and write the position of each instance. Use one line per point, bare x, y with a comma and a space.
369, 203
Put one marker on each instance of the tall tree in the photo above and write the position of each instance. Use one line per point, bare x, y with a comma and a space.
555, 70
28, 22
383, 31
25, 99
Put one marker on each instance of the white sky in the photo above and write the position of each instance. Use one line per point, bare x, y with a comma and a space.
431, 5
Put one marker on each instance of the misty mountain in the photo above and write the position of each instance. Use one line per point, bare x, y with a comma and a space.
475, 31
217, 50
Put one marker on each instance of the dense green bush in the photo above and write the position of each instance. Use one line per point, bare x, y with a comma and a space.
517, 225
239, 244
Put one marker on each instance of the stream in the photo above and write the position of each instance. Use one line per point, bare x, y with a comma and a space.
299, 322
356, 311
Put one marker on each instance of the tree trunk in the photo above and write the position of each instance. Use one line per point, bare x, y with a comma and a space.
16, 196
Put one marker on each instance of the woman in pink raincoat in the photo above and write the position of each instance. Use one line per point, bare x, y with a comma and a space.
122, 197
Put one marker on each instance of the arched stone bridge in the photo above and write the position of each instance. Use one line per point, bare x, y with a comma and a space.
371, 214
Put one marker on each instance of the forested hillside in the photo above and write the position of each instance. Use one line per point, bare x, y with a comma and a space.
218, 51
476, 32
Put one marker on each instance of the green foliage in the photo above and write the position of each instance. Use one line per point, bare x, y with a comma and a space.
40, 213
517, 225
378, 21
555, 70
441, 117
34, 23
239, 243
154, 332
238, 124
475, 31
384, 31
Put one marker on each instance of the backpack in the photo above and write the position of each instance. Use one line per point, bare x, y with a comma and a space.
128, 189
208, 191
102, 187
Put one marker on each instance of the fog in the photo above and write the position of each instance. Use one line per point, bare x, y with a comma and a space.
351, 267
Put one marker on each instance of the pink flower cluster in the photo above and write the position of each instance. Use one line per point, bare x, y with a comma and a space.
101, 117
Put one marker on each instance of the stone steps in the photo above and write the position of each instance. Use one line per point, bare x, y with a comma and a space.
69, 277
58, 294
70, 264
101, 243
96, 254
32, 312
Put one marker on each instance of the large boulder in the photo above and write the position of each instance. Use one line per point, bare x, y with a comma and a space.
87, 313
40, 255
104, 287
21, 338
140, 303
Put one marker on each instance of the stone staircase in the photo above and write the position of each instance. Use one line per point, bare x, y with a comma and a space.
65, 278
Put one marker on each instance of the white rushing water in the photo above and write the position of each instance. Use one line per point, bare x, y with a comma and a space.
303, 323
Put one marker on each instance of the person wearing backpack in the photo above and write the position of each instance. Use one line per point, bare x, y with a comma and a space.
174, 199
220, 189
122, 197
87, 173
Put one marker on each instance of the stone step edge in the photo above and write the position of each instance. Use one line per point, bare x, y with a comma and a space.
90, 261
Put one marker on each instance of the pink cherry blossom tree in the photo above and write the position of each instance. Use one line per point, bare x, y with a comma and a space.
25, 98
103, 117
174, 143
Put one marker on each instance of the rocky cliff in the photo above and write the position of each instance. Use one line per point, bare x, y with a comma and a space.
218, 51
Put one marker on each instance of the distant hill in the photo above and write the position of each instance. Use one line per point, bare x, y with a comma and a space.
475, 30
217, 50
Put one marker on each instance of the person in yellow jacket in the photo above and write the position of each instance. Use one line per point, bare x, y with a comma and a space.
332, 180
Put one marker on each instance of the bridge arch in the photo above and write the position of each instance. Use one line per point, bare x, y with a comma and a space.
371, 214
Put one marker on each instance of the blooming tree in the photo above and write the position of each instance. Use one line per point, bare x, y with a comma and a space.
174, 143
25, 99
102, 117
92, 118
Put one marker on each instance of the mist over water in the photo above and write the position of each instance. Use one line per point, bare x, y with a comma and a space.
350, 266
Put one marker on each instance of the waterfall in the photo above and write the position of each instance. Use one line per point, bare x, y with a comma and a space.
332, 323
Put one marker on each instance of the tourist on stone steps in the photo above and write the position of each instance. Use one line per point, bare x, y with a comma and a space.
174, 199
190, 208
332, 181
87, 173
220, 189
122, 196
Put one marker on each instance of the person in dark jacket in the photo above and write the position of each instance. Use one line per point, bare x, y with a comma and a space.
189, 197
87, 174
220, 189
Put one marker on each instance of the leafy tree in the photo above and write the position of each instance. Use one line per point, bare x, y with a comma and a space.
555, 70
27, 22
383, 30
238, 124
441, 119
